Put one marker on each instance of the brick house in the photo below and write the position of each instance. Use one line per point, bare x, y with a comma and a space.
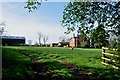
74, 42
79, 41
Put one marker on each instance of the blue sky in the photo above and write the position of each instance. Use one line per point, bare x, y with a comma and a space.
46, 19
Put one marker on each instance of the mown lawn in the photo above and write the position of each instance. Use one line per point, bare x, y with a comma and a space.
18, 66
85, 59
15, 66
81, 57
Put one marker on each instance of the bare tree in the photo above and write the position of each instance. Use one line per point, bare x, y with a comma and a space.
2, 25
45, 39
64, 39
39, 37
29, 42
36, 44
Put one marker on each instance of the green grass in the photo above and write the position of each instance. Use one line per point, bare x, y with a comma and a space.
17, 66
78, 56
86, 59
14, 65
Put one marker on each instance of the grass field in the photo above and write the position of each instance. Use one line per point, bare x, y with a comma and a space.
55, 63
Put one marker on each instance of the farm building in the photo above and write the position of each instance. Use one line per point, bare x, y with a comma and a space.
62, 44
12, 40
54, 44
79, 41
75, 41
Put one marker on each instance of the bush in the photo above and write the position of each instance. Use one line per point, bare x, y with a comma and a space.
85, 45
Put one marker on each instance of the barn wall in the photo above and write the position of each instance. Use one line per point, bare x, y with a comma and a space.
13, 41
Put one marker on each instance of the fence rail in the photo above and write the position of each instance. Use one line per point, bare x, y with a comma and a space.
104, 58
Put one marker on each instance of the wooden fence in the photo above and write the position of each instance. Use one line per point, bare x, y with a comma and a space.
105, 58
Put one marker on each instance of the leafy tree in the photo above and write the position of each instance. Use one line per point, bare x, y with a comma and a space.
99, 36
113, 42
83, 39
73, 16
83, 15
32, 5
80, 14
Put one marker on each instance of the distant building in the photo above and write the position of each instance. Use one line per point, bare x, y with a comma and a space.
75, 42
62, 44
12, 40
54, 44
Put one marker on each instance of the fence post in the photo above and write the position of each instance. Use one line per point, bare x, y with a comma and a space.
103, 55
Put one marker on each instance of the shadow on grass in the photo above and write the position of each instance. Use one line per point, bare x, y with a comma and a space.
15, 65
51, 70
101, 73
18, 66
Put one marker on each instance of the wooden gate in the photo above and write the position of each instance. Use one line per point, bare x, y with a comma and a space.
107, 58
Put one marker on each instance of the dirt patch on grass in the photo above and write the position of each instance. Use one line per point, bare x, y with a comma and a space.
42, 73
77, 74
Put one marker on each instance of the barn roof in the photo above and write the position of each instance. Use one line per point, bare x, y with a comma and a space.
12, 37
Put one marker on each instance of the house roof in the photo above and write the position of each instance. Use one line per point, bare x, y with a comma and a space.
64, 42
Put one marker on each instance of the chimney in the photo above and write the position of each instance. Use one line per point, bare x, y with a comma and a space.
73, 35
78, 36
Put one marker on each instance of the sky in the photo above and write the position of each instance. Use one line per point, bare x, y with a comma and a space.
46, 19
